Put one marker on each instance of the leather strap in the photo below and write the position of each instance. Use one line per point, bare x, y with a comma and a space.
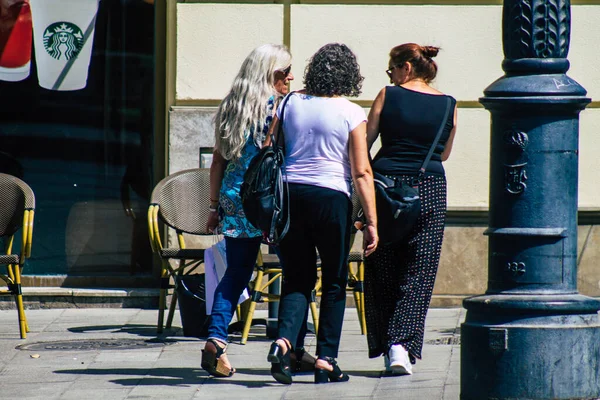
271, 238
436, 140
280, 142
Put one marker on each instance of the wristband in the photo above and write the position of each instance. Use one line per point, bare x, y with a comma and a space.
212, 209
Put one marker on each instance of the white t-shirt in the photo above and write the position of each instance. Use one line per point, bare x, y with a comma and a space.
317, 133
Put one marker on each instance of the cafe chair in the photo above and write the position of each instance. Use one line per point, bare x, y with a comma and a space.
356, 269
267, 273
356, 278
180, 201
16, 213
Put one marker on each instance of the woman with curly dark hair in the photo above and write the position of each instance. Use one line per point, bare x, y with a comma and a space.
326, 150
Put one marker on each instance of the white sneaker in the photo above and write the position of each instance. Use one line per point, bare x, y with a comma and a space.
399, 360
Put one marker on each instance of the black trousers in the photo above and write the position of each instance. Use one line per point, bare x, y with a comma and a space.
320, 220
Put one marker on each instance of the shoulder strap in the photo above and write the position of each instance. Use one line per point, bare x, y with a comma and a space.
281, 188
437, 138
280, 140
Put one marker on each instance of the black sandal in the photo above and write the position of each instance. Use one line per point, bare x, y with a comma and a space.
324, 376
211, 362
302, 361
280, 363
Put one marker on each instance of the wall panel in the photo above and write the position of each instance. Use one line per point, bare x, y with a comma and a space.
214, 39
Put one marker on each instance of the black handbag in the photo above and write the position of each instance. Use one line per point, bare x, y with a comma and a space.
398, 203
264, 192
398, 207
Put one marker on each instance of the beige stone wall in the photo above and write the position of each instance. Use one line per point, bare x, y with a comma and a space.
213, 39
463, 267
588, 274
467, 64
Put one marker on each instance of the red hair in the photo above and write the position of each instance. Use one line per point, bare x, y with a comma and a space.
420, 57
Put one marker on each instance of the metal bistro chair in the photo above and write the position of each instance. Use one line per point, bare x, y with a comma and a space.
356, 278
180, 201
356, 269
267, 272
16, 212
267, 266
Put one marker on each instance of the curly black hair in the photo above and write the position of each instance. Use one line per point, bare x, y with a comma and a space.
333, 71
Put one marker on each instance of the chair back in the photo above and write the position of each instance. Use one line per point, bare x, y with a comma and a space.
356, 206
15, 197
183, 199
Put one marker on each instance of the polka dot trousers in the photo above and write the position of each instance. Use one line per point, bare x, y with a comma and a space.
399, 278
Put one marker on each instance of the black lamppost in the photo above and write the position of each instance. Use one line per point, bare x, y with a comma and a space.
531, 335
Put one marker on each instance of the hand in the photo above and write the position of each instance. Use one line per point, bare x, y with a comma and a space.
370, 239
213, 222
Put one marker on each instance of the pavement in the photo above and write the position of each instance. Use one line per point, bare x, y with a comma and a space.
108, 353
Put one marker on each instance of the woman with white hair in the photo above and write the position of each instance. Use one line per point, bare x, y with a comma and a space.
241, 125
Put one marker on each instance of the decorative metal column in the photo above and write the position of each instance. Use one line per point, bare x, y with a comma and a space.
531, 335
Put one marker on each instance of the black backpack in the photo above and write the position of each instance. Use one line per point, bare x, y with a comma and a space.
264, 193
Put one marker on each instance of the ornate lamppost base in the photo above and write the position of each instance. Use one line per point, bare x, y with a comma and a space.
530, 347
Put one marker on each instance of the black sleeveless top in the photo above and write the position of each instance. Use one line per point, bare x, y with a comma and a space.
408, 124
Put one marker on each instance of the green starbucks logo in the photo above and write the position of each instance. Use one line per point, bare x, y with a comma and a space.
63, 39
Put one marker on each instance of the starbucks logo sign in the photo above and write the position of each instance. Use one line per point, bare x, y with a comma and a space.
63, 40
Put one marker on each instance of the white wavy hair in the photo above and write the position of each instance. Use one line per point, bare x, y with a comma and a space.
244, 107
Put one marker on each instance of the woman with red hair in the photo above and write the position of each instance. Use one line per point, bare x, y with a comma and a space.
399, 277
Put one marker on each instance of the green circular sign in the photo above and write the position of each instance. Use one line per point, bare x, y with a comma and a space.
63, 40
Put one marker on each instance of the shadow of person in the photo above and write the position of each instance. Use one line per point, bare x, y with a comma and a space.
147, 331
169, 376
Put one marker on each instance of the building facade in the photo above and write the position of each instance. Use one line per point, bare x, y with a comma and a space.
158, 70
212, 38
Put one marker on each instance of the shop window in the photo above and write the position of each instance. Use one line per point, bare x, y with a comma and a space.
76, 124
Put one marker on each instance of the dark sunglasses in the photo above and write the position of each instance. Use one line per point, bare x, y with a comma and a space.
286, 71
391, 69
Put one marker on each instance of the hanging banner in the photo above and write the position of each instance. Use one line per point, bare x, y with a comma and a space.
15, 40
63, 36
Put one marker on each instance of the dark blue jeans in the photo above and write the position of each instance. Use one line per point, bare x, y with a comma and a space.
241, 258
320, 218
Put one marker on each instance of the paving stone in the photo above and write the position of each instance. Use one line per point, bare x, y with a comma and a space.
173, 371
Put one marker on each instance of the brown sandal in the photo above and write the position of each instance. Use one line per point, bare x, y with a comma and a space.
212, 363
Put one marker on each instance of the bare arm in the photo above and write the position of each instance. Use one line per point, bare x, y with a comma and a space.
362, 175
373, 122
217, 170
448, 147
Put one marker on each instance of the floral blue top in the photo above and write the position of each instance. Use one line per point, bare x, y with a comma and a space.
233, 220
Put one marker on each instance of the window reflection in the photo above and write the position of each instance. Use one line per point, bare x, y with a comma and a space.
87, 153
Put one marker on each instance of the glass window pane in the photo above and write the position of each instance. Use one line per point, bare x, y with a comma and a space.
87, 153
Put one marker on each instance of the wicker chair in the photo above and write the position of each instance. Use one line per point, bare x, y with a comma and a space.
356, 270
356, 278
17, 212
181, 202
267, 272
267, 266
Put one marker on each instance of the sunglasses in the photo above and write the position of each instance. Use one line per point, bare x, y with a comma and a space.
391, 69
286, 71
